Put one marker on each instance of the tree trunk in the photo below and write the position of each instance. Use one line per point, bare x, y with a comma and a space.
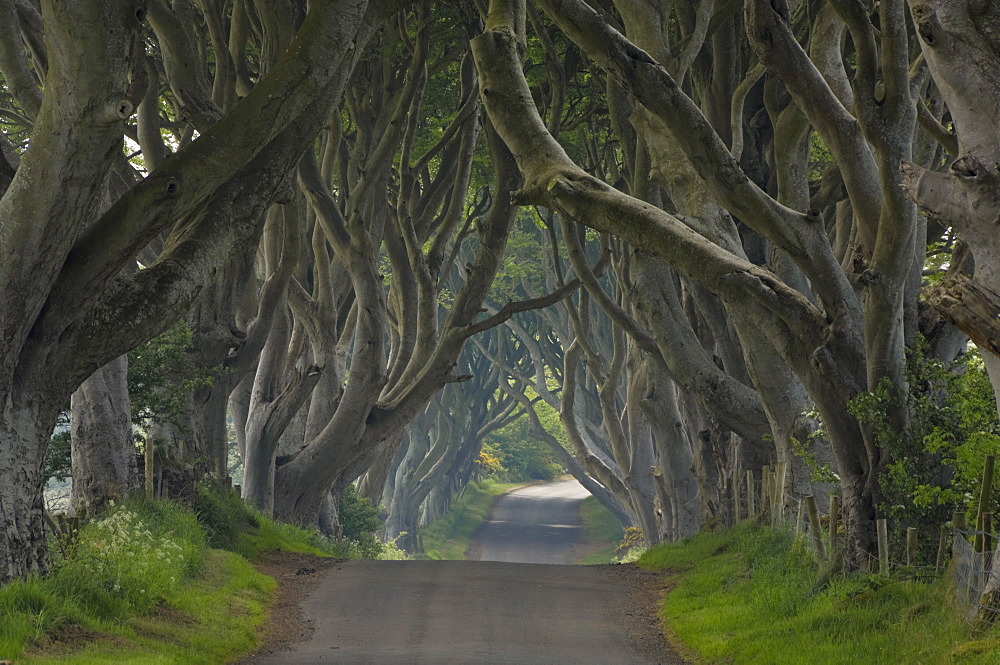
208, 429
104, 462
682, 516
24, 437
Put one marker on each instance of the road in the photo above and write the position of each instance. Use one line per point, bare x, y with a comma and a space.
536, 524
477, 612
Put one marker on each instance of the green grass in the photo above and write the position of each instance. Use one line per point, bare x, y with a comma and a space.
602, 531
450, 536
746, 597
213, 618
231, 524
138, 582
143, 582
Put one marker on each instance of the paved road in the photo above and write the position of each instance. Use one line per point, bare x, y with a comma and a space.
477, 612
537, 524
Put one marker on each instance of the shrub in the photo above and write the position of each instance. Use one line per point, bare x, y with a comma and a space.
359, 520
358, 516
223, 514
935, 466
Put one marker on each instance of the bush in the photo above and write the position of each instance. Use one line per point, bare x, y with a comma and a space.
223, 514
521, 457
935, 466
359, 520
358, 516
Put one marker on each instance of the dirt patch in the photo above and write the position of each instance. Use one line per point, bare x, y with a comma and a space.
296, 575
639, 605
70, 638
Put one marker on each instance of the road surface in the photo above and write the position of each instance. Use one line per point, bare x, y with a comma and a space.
477, 612
536, 524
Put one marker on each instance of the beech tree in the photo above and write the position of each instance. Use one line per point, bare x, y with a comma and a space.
835, 306
440, 447
329, 219
68, 309
960, 45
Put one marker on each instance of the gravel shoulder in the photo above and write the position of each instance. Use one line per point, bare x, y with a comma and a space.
296, 575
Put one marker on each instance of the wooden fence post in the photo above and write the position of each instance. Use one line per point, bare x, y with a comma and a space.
751, 500
148, 453
814, 527
942, 548
765, 490
779, 493
883, 547
736, 496
959, 522
979, 543
834, 522
987, 532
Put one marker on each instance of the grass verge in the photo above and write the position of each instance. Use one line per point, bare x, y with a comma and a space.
152, 582
450, 536
602, 532
746, 596
212, 619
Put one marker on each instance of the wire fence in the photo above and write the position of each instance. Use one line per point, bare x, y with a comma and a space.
976, 574
975, 560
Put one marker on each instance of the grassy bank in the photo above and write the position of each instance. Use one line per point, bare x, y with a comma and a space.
152, 582
602, 531
747, 596
212, 619
450, 536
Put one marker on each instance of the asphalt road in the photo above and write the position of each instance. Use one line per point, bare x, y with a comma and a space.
472, 612
537, 524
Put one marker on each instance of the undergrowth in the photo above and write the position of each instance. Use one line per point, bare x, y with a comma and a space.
749, 596
135, 556
151, 581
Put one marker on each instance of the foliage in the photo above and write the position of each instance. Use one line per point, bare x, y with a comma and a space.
748, 596
357, 514
223, 515
120, 561
632, 546
487, 464
818, 473
522, 457
935, 467
938, 259
632, 554
523, 263
161, 377
820, 157
359, 520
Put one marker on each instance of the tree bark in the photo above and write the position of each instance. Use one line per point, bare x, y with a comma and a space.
103, 453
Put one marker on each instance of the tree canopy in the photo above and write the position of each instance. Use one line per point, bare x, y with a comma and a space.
710, 236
